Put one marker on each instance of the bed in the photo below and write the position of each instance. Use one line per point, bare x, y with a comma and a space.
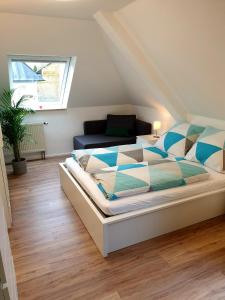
114, 225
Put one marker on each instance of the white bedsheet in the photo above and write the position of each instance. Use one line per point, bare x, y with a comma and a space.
215, 182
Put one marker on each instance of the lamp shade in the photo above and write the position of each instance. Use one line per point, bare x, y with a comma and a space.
156, 125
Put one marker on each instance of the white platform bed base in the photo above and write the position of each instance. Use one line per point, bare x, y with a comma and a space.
116, 232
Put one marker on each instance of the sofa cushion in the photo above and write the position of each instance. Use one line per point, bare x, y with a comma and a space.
100, 140
121, 132
95, 127
122, 121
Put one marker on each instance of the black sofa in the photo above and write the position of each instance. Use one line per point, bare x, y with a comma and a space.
94, 135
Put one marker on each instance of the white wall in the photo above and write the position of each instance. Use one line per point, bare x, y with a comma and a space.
149, 114
64, 124
186, 41
96, 89
96, 81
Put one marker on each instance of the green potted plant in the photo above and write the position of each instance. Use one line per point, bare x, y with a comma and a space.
12, 115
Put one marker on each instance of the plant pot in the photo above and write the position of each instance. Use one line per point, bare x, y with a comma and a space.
19, 167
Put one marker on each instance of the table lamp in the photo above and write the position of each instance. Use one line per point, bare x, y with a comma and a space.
156, 127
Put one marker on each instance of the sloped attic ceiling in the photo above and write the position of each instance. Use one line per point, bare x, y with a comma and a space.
182, 45
76, 9
144, 81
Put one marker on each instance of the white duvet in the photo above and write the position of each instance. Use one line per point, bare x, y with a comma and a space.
150, 199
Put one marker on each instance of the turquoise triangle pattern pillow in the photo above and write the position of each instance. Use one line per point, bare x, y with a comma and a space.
179, 139
209, 149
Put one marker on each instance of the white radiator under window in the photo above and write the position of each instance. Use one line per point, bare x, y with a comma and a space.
33, 142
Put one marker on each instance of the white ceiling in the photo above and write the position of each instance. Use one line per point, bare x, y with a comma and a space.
78, 9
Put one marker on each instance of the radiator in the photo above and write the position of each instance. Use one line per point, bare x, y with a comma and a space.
33, 142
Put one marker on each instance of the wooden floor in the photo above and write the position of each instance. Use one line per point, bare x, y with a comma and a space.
56, 259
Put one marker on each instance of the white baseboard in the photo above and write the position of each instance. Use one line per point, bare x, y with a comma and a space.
37, 156
58, 155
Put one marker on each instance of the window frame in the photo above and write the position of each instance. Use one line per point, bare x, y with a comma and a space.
70, 62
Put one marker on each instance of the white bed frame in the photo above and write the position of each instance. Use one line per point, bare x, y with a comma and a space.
117, 232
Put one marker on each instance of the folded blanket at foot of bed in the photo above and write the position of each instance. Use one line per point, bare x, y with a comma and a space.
131, 179
93, 160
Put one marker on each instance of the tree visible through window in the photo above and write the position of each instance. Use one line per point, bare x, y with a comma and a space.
45, 80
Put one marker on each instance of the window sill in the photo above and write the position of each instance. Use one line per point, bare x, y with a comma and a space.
49, 108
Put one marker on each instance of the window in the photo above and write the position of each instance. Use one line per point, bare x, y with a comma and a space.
46, 81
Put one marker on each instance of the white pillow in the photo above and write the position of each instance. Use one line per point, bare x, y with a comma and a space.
209, 149
179, 139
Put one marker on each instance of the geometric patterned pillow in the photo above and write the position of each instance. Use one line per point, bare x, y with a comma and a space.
93, 160
209, 149
179, 139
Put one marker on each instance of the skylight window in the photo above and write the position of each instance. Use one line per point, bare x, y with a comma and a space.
45, 80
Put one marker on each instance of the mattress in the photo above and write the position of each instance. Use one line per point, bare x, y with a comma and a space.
215, 182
